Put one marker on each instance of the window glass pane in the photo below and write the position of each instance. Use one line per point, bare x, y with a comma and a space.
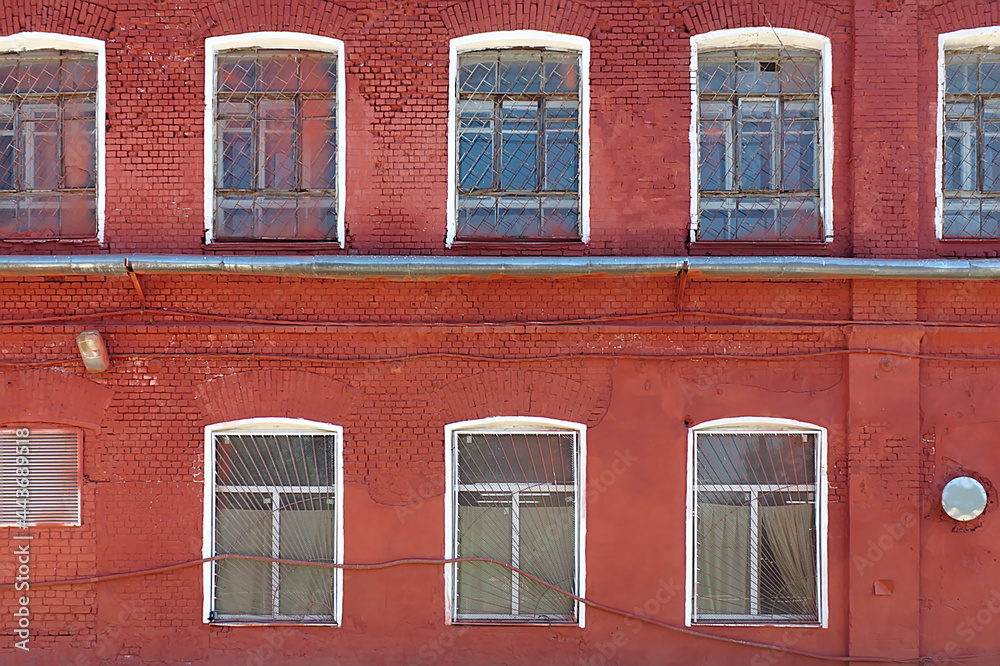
299, 460
799, 156
961, 73
562, 158
485, 530
799, 75
318, 73
243, 527
800, 218
278, 73
716, 76
477, 217
308, 534
79, 74
520, 72
560, 217
279, 146
756, 458
757, 74
989, 73
547, 550
519, 151
477, 73
516, 458
961, 217
8, 164
757, 128
475, 148
39, 73
518, 217
562, 73
723, 580
319, 153
236, 172
236, 73
316, 218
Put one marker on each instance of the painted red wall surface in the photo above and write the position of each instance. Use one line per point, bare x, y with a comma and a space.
902, 374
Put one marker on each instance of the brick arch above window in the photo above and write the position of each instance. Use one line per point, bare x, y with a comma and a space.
52, 396
274, 393
88, 19
560, 16
712, 15
541, 394
324, 18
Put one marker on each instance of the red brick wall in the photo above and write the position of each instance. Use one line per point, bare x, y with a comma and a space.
901, 373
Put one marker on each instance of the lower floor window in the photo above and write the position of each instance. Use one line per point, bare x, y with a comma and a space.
40, 476
516, 501
276, 512
756, 526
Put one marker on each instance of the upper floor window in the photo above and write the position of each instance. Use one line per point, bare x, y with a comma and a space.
51, 137
273, 493
519, 122
274, 152
969, 110
761, 156
756, 539
515, 497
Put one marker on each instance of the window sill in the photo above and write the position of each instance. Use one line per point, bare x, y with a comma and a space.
75, 242
575, 246
290, 246
755, 247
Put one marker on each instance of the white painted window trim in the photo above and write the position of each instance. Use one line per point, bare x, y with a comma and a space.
269, 426
988, 37
508, 424
272, 40
772, 38
40, 41
749, 424
512, 39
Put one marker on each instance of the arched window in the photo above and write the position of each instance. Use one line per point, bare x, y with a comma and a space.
761, 136
274, 138
514, 489
518, 122
273, 491
968, 165
51, 137
757, 523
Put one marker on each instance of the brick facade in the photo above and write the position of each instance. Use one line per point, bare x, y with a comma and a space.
902, 373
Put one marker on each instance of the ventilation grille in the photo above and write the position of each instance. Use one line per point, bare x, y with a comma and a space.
39, 477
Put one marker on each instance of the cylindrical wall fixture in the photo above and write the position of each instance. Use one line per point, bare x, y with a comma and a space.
93, 352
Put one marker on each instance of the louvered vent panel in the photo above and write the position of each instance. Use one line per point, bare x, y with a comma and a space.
50, 462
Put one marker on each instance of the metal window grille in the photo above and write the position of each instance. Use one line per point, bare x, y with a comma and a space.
756, 527
48, 154
275, 498
516, 502
971, 145
759, 129
276, 145
518, 145
39, 477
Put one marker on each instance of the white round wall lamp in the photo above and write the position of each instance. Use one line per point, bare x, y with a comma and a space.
963, 498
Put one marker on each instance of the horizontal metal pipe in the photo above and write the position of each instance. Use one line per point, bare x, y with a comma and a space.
359, 267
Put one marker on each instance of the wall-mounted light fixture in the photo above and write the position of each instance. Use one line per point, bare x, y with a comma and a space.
93, 352
964, 498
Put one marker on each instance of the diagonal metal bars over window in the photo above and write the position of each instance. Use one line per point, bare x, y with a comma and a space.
972, 145
48, 155
756, 526
516, 502
276, 145
275, 497
759, 129
518, 145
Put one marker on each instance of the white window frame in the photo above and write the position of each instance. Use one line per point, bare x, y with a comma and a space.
505, 425
738, 38
754, 425
513, 39
269, 426
988, 37
42, 41
271, 40
24, 452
